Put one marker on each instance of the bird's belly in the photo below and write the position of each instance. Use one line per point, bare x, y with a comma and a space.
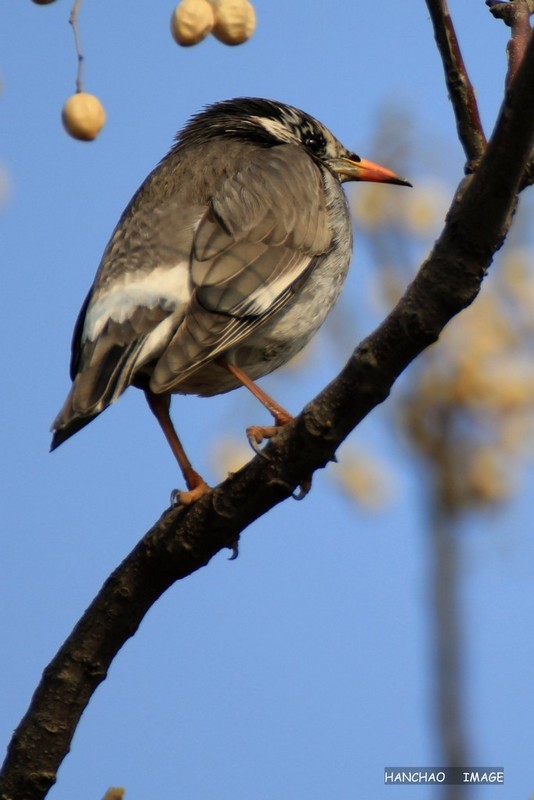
279, 338
287, 332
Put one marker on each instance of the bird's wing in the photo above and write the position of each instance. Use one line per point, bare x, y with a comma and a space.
262, 234
138, 299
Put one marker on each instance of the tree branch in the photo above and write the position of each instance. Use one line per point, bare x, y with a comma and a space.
461, 92
516, 14
185, 539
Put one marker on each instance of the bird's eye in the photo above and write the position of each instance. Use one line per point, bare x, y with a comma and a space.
314, 143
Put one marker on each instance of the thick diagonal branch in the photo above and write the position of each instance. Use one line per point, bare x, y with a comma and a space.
461, 92
184, 540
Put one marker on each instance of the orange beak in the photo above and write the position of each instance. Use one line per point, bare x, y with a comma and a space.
354, 168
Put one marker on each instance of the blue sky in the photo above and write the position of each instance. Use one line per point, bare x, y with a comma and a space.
304, 667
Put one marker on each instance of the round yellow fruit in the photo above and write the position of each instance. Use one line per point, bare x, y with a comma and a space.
235, 20
83, 116
191, 21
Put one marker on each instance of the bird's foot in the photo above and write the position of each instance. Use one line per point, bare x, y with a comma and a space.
256, 434
194, 493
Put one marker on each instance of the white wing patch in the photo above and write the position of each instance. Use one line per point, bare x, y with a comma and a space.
169, 287
156, 341
265, 296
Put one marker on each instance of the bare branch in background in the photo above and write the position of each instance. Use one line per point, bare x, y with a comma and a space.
449, 648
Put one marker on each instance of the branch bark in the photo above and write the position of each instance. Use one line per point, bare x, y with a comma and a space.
461, 92
516, 14
185, 539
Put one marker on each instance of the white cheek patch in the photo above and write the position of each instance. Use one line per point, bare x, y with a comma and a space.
169, 287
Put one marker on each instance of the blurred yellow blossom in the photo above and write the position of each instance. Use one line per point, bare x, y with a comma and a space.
424, 208
229, 454
488, 475
364, 479
470, 408
419, 213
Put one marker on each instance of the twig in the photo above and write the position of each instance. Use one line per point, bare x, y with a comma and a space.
516, 14
73, 21
461, 92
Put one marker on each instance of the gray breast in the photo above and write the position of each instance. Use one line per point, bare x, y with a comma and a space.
287, 331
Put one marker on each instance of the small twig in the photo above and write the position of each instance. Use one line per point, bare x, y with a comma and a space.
73, 21
516, 14
461, 92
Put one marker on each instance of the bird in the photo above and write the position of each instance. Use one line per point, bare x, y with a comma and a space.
223, 265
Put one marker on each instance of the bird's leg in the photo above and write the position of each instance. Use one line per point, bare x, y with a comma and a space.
159, 405
257, 433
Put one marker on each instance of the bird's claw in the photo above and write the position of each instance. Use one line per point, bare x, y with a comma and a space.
256, 447
303, 490
235, 550
175, 497
181, 498
256, 434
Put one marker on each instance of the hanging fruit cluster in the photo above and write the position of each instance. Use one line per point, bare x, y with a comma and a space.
230, 21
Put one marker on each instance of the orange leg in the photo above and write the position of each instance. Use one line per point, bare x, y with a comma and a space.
159, 405
257, 433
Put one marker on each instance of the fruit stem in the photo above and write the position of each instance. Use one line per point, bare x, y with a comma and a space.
73, 22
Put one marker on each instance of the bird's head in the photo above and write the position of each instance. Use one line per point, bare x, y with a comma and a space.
268, 123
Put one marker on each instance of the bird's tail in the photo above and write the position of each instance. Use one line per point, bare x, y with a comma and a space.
65, 425
84, 402
104, 372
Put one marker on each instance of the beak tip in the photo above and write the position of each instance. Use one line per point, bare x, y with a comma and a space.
353, 168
